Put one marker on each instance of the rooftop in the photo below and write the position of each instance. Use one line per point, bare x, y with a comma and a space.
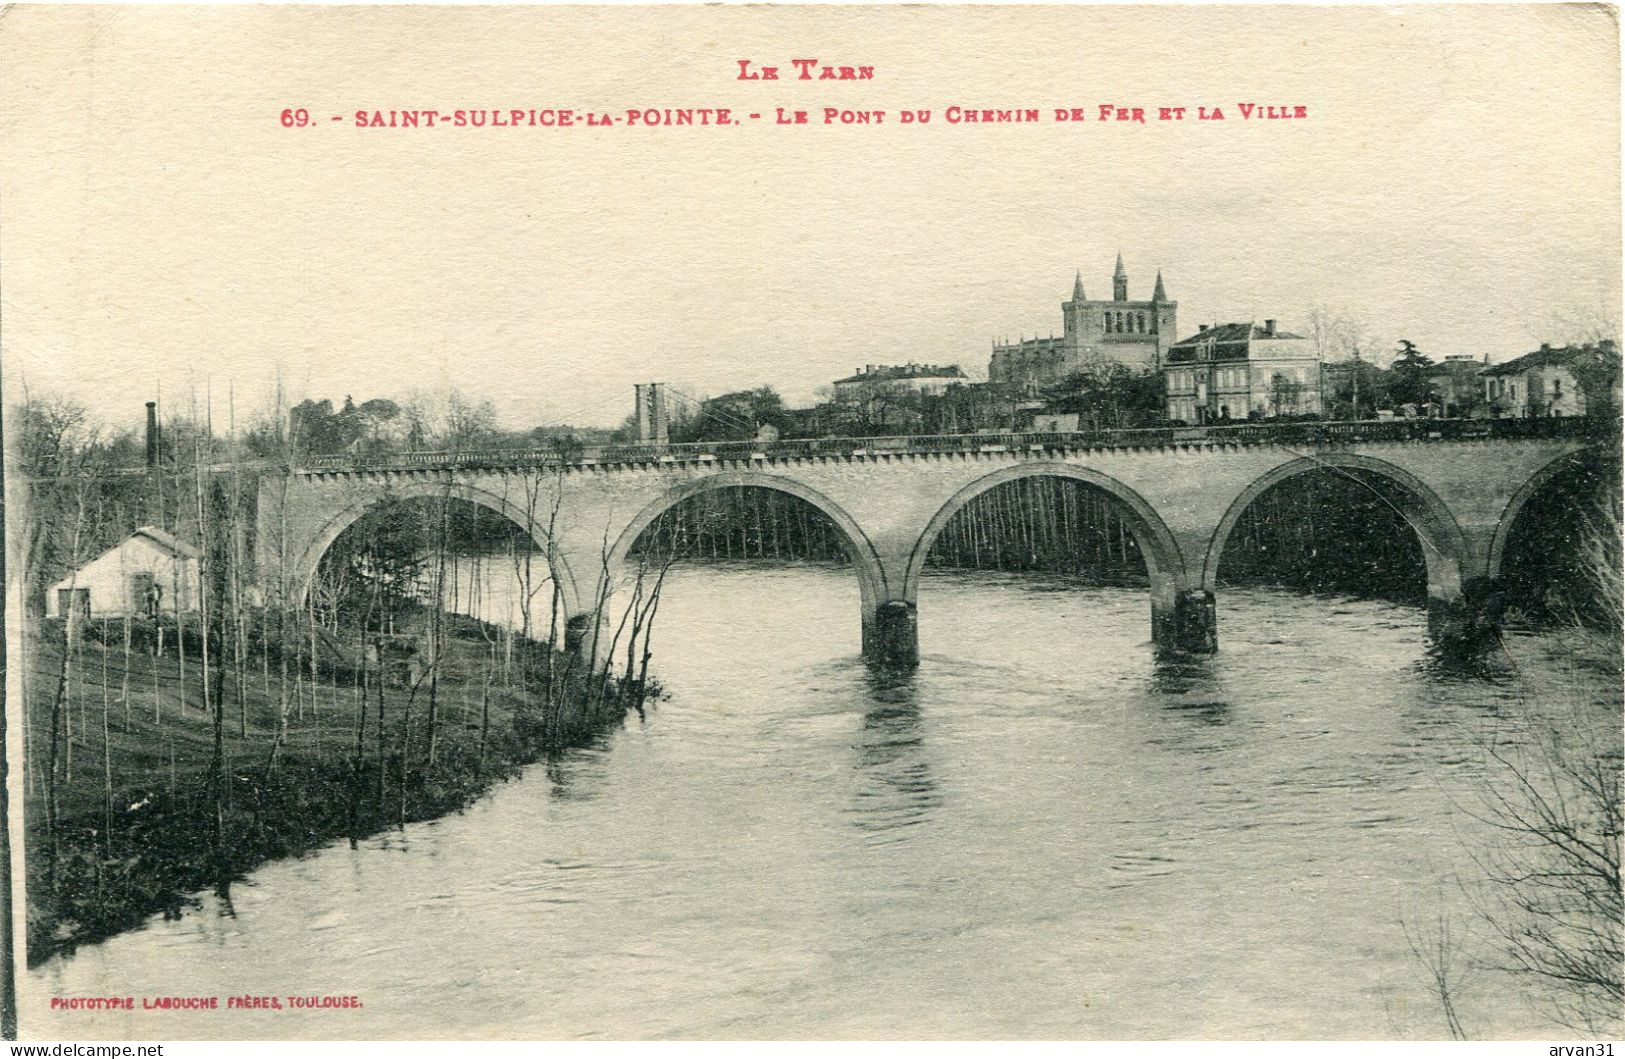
1234, 334
167, 541
896, 372
1548, 354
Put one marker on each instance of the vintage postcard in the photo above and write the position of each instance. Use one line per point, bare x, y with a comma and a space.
862, 522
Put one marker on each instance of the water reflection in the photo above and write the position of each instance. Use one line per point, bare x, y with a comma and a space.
579, 775
1190, 685
895, 789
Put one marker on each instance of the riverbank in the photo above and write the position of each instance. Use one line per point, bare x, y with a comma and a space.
136, 817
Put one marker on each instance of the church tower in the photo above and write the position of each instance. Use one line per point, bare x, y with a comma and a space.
1073, 323
1132, 333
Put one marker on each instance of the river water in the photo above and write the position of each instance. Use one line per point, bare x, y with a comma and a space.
1044, 832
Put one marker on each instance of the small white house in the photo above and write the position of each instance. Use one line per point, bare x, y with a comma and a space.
147, 574
1057, 422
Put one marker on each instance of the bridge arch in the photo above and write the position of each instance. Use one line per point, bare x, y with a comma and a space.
1546, 475
309, 560
859, 550
1444, 546
1165, 565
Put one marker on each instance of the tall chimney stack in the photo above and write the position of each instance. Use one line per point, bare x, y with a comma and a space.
152, 435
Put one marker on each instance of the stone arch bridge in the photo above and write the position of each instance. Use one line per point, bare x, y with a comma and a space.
1459, 485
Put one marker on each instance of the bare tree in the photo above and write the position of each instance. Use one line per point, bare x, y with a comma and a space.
1553, 892
1286, 394
1438, 947
1578, 326
447, 419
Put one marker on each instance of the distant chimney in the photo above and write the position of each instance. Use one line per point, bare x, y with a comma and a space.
1201, 327
152, 434
1545, 347
1269, 328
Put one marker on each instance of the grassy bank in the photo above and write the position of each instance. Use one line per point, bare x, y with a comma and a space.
136, 825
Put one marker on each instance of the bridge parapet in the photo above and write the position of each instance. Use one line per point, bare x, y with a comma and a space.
1302, 434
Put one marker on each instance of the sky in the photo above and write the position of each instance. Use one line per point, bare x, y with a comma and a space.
1456, 182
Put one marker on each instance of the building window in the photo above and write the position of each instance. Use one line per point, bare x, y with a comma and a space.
74, 602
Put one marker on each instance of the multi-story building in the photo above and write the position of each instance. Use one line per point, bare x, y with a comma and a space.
1546, 382
917, 378
1094, 334
1455, 382
1241, 371
884, 397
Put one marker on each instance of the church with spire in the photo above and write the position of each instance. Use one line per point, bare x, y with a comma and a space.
1094, 335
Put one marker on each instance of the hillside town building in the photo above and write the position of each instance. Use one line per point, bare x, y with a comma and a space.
1094, 333
1241, 371
1547, 381
915, 378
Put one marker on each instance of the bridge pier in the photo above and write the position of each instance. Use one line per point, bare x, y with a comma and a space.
1467, 621
1188, 623
891, 636
578, 632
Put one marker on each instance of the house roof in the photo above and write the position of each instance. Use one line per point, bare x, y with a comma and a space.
1218, 333
1235, 335
1455, 369
1549, 355
167, 541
